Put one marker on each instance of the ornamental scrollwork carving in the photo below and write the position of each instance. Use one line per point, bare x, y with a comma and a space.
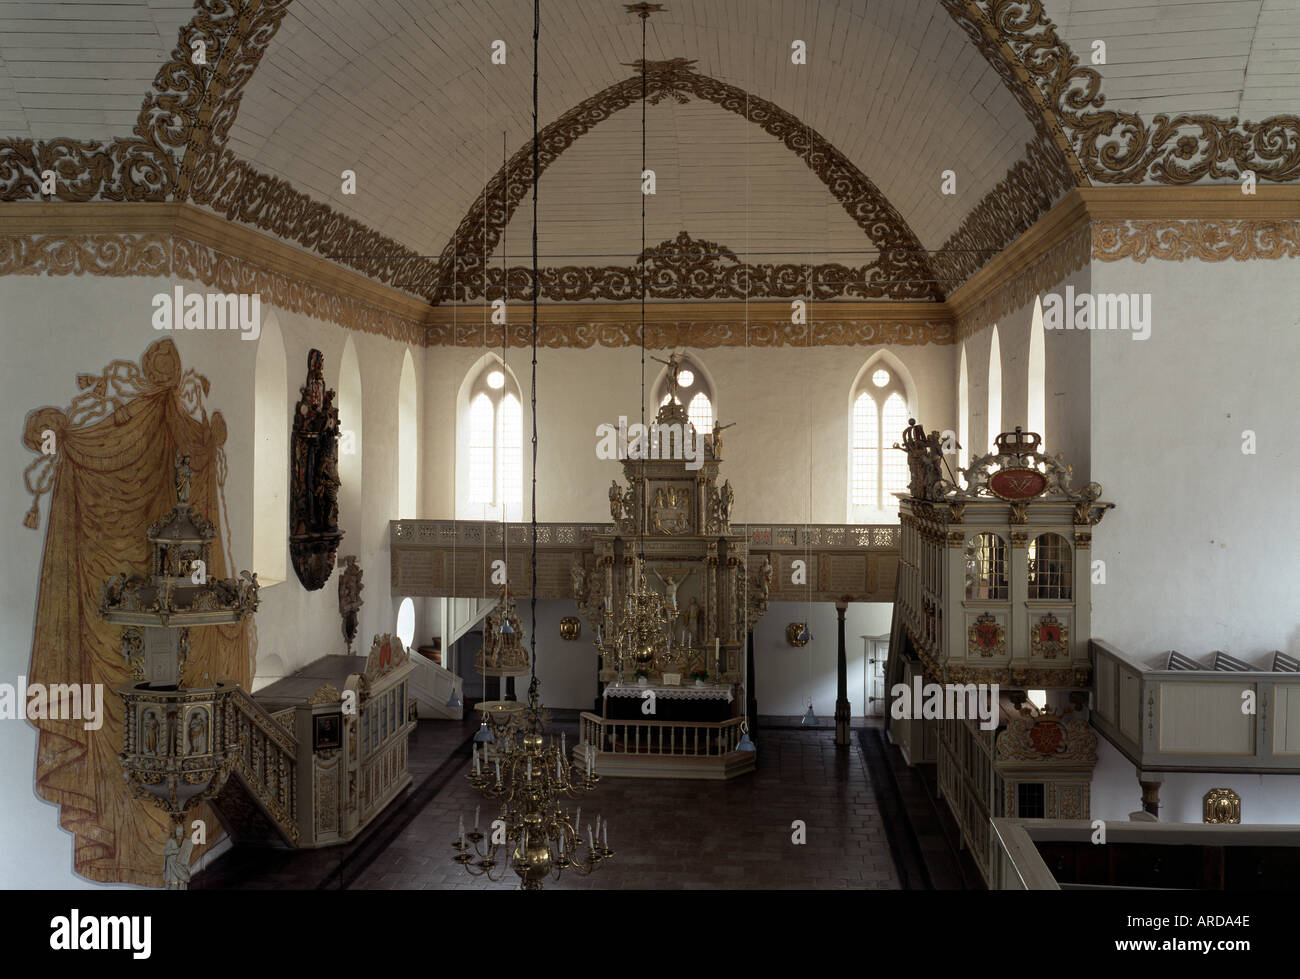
1120, 147
1048, 736
902, 270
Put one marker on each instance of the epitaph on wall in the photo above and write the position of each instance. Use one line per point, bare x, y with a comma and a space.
314, 533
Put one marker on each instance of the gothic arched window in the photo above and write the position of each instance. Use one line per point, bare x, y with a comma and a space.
492, 436
879, 415
694, 391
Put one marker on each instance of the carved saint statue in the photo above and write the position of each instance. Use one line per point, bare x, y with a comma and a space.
579, 574
350, 600
176, 860
726, 496
693, 621
183, 476
314, 534
150, 734
615, 502
198, 733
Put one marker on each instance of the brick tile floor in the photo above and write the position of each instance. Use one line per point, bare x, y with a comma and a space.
666, 834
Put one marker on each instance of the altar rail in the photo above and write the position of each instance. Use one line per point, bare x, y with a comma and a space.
453, 558
665, 749
1169, 720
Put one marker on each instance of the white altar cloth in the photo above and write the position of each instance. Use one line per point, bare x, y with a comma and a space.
687, 691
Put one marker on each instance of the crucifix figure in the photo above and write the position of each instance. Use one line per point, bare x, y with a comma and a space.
670, 583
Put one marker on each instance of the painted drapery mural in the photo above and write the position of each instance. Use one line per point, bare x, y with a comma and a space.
107, 463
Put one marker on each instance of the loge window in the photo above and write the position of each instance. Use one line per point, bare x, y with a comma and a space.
986, 568
1050, 568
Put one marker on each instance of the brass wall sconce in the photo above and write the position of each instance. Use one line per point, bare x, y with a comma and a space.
570, 628
792, 633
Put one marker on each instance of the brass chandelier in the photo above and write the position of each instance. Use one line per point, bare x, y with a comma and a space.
641, 632
528, 773
530, 776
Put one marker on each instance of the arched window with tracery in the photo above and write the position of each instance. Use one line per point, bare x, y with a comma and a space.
693, 390
491, 437
877, 419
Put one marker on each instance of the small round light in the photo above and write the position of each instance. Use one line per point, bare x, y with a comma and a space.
880, 378
496, 380
685, 379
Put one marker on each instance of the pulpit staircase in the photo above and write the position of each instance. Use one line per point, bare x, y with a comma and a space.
259, 803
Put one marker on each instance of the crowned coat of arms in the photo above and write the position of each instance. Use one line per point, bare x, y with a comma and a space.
1049, 637
987, 636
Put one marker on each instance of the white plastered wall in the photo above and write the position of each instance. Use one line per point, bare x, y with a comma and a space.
59, 327
1200, 550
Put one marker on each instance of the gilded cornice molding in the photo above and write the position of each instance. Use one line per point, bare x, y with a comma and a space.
697, 325
161, 254
1104, 223
1221, 240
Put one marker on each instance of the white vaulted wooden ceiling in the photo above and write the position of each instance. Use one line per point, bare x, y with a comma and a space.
81, 69
402, 92
1221, 57
407, 98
